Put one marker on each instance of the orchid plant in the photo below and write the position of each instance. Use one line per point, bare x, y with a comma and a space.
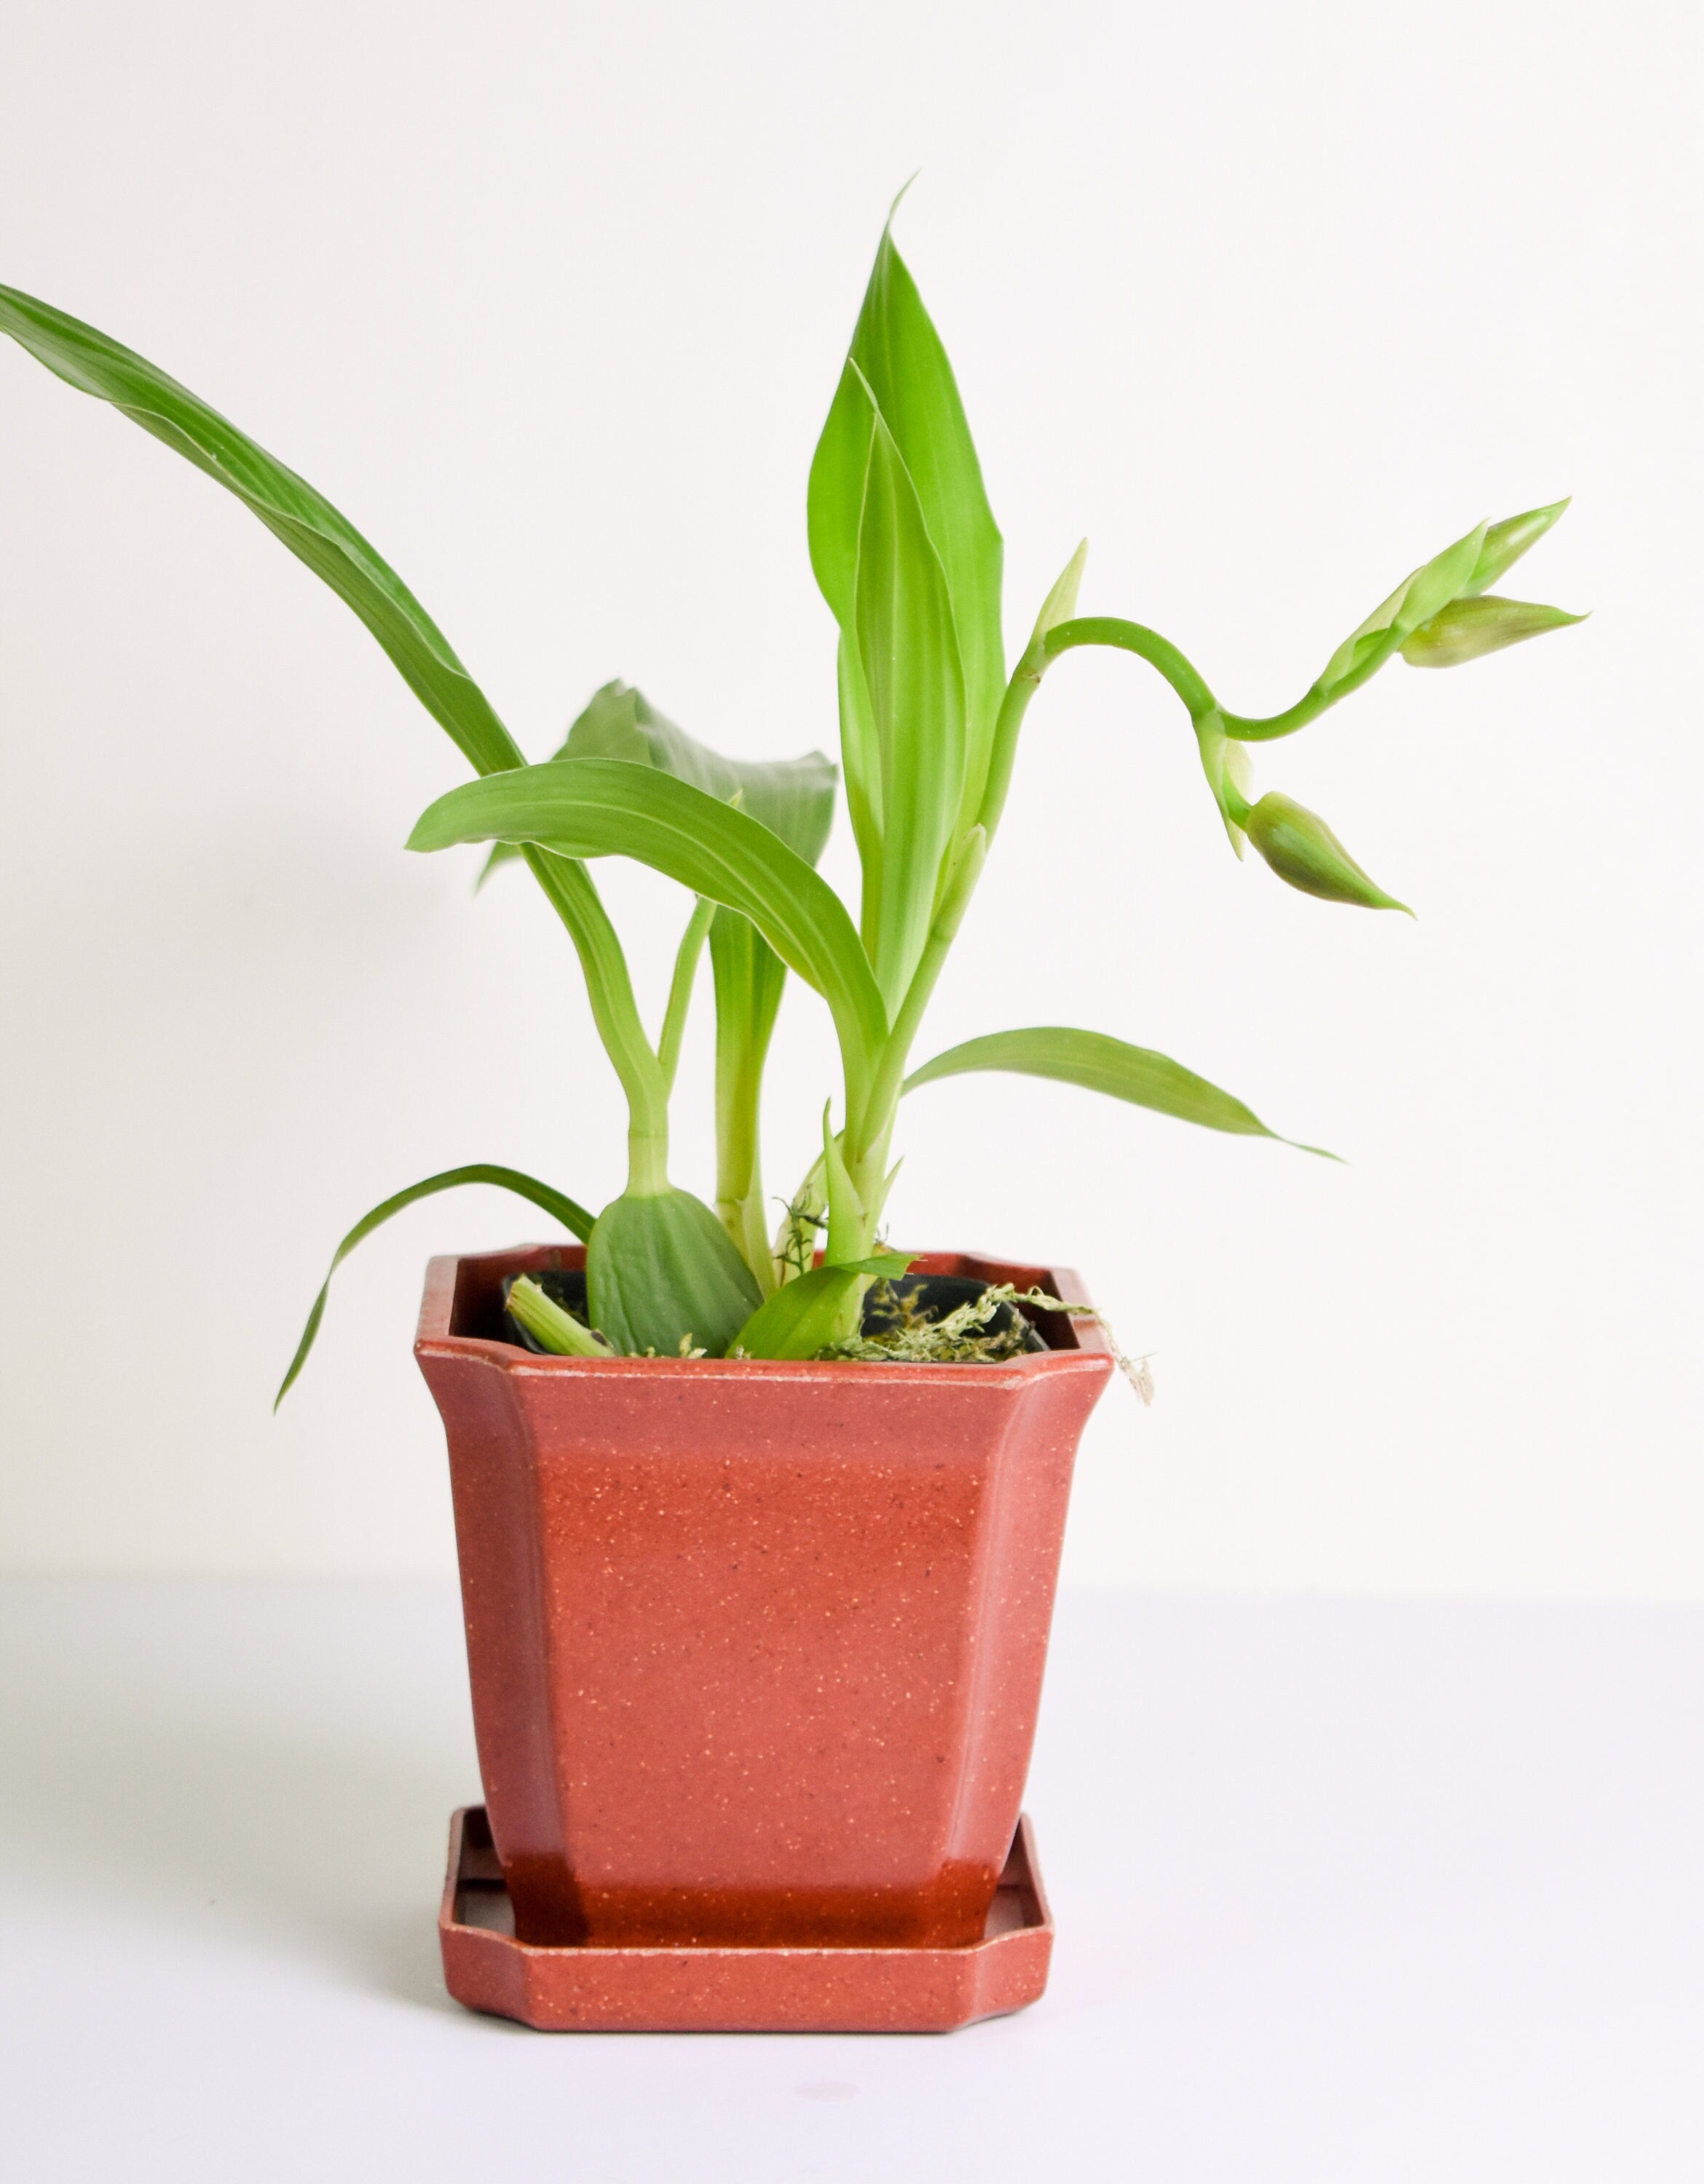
907, 553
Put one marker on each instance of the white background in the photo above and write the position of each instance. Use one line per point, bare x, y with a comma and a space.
1270, 301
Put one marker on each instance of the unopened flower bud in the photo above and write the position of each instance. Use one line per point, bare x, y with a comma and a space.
1415, 600
1304, 852
1505, 543
1468, 629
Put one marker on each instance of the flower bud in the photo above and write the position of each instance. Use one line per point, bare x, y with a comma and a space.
1415, 600
1505, 543
1304, 852
1468, 628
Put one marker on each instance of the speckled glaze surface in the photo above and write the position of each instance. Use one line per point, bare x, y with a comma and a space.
755, 1647
588, 1989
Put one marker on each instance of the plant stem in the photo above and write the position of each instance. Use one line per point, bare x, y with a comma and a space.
739, 1163
1179, 671
1026, 679
749, 978
1314, 702
1148, 644
680, 989
576, 901
869, 1139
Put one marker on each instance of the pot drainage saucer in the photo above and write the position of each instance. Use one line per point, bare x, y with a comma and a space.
592, 1989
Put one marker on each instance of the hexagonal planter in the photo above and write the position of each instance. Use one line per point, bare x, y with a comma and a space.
755, 1647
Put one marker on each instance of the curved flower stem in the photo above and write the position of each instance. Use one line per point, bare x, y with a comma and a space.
1178, 669
1148, 644
1243, 730
1134, 636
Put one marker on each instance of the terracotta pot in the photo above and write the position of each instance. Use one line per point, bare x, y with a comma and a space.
755, 1647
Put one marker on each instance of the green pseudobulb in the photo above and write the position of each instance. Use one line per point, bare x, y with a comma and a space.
662, 1272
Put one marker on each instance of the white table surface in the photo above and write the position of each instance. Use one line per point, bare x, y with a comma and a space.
1344, 1891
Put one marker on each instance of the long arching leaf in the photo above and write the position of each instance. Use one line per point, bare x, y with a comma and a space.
287, 505
573, 1217
334, 549
598, 807
1102, 1064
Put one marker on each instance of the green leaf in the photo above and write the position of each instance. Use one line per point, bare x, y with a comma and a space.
849, 1219
662, 1275
807, 1314
749, 978
793, 798
680, 986
833, 500
904, 368
897, 377
861, 760
1102, 1064
834, 510
333, 550
287, 505
573, 1217
909, 652
611, 807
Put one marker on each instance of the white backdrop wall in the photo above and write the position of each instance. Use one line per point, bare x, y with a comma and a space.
1271, 302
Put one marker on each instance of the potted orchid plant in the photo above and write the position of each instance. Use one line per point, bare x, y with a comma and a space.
759, 1525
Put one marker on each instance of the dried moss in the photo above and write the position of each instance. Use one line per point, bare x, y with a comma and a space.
965, 1336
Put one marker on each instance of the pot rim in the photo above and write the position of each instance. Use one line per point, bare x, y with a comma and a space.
1088, 1349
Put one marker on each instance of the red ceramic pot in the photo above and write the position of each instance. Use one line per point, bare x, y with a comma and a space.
755, 1647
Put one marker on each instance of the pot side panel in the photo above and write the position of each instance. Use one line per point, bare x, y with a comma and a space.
502, 1596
